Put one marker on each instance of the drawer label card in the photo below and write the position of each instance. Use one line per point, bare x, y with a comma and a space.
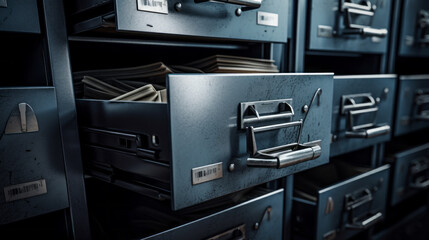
25, 190
206, 173
156, 6
325, 31
268, 19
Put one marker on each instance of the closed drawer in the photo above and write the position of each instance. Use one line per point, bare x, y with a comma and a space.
19, 16
410, 172
412, 112
259, 218
414, 38
362, 111
349, 26
32, 178
337, 201
258, 20
219, 133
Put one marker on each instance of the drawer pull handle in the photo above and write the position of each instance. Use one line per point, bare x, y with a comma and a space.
284, 155
237, 233
366, 223
251, 4
422, 102
369, 133
420, 183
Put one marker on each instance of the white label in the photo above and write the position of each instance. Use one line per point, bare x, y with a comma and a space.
25, 190
325, 31
157, 6
409, 40
268, 19
206, 173
375, 39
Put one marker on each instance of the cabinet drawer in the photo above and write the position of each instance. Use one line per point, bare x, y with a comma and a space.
259, 218
412, 112
362, 113
410, 172
349, 26
339, 201
258, 20
19, 16
414, 40
219, 133
32, 175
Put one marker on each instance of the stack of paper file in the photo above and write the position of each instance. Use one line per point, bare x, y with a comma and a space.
234, 64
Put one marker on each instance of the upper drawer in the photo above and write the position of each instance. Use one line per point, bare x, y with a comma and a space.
362, 112
19, 16
336, 201
410, 172
32, 178
219, 133
253, 20
349, 25
412, 112
414, 38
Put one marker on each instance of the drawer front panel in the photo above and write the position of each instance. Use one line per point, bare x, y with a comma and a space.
413, 39
238, 221
411, 173
369, 191
268, 23
19, 16
207, 130
362, 111
367, 30
32, 177
412, 112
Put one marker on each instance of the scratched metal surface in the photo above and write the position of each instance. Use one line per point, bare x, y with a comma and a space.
203, 122
31, 156
325, 12
374, 84
20, 16
405, 121
247, 213
408, 45
208, 19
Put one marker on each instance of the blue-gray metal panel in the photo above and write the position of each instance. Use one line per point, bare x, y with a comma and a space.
401, 168
213, 20
325, 12
407, 39
405, 121
203, 117
20, 16
377, 178
356, 84
247, 213
31, 156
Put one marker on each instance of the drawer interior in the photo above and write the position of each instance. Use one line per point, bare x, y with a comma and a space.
308, 183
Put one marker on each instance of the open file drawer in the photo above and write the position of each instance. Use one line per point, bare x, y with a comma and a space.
349, 25
219, 133
337, 201
32, 178
253, 20
19, 16
414, 38
410, 172
412, 112
362, 112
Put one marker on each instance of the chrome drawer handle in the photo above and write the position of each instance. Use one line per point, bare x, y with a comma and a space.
369, 133
245, 3
422, 100
366, 223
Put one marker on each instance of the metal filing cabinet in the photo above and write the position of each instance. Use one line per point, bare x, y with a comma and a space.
253, 20
337, 201
259, 218
219, 133
362, 111
349, 25
414, 29
11, 16
410, 170
412, 110
32, 175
